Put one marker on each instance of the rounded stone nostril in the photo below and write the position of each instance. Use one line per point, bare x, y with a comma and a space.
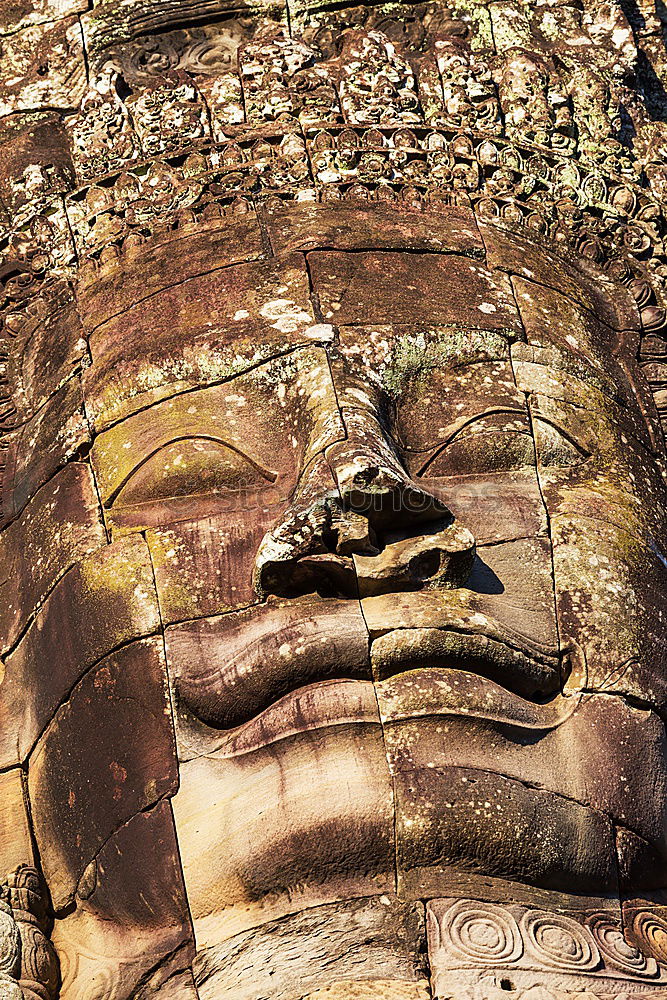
426, 565
366, 477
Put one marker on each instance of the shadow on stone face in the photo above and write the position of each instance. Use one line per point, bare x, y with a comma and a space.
483, 580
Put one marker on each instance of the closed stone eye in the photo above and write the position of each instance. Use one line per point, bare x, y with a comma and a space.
189, 466
502, 443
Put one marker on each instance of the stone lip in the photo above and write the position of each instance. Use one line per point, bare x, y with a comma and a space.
421, 679
417, 694
315, 706
524, 671
435, 691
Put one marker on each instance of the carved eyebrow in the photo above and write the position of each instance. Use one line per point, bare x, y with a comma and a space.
496, 412
265, 473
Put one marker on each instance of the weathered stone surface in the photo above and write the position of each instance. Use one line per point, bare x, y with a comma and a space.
59, 526
372, 481
301, 241
615, 619
168, 260
131, 912
377, 989
438, 557
36, 160
111, 739
439, 717
470, 420
310, 548
395, 355
177, 453
324, 949
121, 21
376, 227
15, 840
194, 453
177, 986
205, 566
602, 414
479, 821
641, 865
505, 616
589, 349
51, 349
293, 834
103, 602
203, 330
45, 67
526, 257
360, 289
22, 13
495, 507
57, 434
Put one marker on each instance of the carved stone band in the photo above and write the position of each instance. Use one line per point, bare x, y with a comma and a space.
466, 934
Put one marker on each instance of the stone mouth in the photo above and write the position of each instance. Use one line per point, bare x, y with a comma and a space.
268, 657
414, 674
421, 694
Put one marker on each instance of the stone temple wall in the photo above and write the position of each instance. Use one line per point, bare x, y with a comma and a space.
333, 602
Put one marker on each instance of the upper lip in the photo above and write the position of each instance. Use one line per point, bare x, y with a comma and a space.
530, 673
239, 668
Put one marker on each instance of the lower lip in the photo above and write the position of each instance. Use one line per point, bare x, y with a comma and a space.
423, 693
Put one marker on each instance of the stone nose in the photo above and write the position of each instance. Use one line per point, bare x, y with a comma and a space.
439, 556
369, 530
372, 481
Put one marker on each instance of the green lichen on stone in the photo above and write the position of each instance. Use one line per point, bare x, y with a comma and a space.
414, 355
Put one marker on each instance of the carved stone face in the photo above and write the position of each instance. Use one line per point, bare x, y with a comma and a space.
398, 512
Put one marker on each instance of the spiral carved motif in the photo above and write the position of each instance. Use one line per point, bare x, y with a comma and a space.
482, 934
651, 931
618, 952
560, 942
10, 943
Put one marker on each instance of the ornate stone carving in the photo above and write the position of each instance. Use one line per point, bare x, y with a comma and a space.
10, 954
469, 95
28, 962
617, 952
169, 116
560, 942
333, 359
482, 933
526, 945
102, 137
209, 51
